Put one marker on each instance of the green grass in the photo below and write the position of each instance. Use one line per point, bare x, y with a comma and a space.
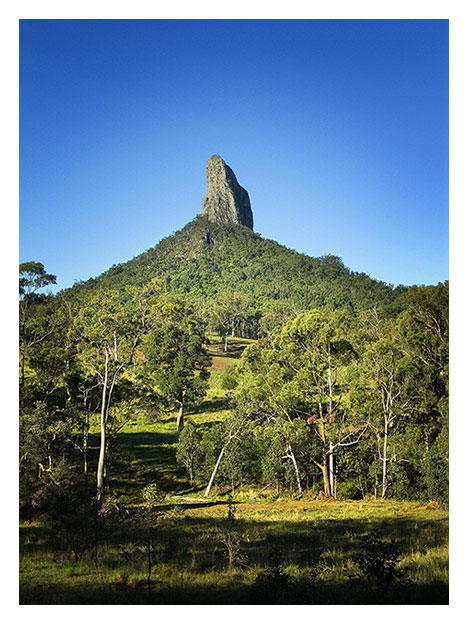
191, 563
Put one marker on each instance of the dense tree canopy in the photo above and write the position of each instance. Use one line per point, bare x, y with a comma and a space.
258, 275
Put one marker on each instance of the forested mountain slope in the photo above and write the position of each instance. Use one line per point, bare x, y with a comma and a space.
207, 261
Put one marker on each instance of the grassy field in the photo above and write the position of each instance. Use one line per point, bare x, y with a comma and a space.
287, 551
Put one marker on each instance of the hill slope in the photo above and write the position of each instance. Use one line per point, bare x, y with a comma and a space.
205, 261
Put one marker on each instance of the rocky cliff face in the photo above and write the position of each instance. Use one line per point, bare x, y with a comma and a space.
225, 201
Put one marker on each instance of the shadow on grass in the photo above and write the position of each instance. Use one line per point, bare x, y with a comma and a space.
192, 547
182, 506
139, 459
216, 404
235, 594
234, 351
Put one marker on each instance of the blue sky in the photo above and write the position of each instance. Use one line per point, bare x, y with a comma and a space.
338, 129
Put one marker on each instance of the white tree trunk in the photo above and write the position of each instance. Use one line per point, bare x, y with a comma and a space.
385, 460
102, 449
213, 474
296, 470
85, 450
180, 418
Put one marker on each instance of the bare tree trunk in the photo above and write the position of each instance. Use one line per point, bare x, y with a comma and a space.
331, 469
326, 474
85, 450
263, 489
180, 417
361, 488
296, 470
22, 352
385, 460
213, 474
106, 457
102, 449
324, 465
225, 341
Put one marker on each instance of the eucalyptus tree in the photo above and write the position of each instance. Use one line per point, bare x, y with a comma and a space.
423, 330
388, 380
176, 360
230, 434
34, 326
226, 314
109, 328
423, 336
47, 370
189, 449
301, 376
260, 396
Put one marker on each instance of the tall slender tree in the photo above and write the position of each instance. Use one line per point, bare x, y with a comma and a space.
110, 327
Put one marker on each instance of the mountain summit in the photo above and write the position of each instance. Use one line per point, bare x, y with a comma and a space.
218, 258
225, 200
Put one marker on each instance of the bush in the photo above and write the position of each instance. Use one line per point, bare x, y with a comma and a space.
436, 475
71, 516
152, 495
377, 561
271, 586
231, 534
349, 489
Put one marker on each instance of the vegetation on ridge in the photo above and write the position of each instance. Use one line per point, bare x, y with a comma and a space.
207, 262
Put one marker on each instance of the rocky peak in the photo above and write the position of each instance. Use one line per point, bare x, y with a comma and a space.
225, 200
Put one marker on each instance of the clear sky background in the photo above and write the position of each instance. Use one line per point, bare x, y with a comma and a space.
337, 129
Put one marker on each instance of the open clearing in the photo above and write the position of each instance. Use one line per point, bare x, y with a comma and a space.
190, 556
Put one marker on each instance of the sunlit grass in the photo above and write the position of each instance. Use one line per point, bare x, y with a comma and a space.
191, 568
193, 555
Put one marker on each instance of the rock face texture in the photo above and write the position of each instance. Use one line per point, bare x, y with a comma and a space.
225, 200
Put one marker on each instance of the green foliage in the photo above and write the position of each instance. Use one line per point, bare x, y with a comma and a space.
44, 437
33, 277
231, 533
189, 451
151, 495
337, 349
436, 469
176, 360
235, 436
276, 441
378, 561
258, 271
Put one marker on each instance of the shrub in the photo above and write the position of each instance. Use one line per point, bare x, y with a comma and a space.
271, 586
72, 519
436, 475
378, 560
152, 494
231, 534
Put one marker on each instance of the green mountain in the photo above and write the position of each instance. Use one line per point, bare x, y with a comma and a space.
207, 262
